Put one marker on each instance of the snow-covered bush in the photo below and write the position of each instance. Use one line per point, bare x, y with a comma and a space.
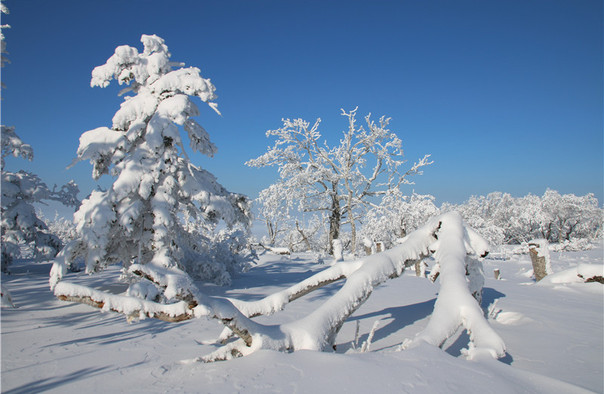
218, 254
141, 220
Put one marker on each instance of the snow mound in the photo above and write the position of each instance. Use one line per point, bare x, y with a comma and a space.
582, 273
511, 318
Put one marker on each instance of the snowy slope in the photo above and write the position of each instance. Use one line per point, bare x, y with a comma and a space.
554, 336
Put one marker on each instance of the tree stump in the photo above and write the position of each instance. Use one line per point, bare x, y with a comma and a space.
338, 250
539, 252
420, 269
367, 245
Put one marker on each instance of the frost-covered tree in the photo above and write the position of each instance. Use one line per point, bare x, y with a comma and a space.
396, 216
62, 227
504, 219
20, 223
296, 232
143, 221
341, 180
20, 190
273, 211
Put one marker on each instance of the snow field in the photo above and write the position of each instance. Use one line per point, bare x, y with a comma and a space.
553, 335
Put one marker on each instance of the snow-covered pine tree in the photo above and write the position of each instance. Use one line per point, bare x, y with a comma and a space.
140, 221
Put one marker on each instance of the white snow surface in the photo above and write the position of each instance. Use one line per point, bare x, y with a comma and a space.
553, 335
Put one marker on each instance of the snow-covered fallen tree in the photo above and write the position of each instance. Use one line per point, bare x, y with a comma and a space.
456, 248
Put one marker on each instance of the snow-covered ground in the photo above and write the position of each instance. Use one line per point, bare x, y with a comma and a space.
554, 335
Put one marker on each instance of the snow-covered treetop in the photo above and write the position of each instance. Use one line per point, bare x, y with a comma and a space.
13, 145
3, 59
152, 69
160, 103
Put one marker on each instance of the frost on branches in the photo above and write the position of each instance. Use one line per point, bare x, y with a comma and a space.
456, 248
339, 181
157, 218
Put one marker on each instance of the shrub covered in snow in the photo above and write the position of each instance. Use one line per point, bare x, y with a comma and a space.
61, 227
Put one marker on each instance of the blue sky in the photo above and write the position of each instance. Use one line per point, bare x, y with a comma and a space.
505, 95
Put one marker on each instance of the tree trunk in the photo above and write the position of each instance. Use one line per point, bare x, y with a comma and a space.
271, 232
420, 269
334, 220
353, 227
304, 237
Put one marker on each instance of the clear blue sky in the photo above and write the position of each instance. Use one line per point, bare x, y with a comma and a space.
505, 95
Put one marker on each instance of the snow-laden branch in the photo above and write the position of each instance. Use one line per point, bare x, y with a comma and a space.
134, 308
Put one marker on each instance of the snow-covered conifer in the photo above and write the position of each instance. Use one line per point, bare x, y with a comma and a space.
140, 220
